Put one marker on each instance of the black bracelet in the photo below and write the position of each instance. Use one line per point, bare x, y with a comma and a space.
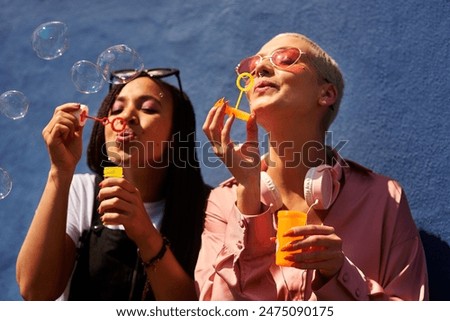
154, 260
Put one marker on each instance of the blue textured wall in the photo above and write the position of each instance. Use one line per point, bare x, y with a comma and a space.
394, 116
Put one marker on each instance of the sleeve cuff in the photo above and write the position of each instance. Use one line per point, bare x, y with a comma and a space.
348, 284
258, 229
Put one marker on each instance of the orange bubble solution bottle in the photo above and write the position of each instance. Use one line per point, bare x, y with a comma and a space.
287, 220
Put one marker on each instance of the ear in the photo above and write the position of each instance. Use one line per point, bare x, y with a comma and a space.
327, 95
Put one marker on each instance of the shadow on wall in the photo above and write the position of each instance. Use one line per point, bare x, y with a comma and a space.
438, 262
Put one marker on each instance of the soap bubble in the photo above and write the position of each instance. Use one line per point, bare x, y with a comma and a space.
14, 104
5, 183
87, 77
120, 58
49, 40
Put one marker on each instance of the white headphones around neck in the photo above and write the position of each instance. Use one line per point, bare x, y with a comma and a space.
321, 187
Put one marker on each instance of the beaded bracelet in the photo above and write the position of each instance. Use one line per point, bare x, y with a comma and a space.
154, 260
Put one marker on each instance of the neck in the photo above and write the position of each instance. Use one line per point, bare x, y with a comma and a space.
291, 154
297, 148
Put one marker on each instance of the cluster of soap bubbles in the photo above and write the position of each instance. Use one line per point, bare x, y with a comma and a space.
49, 41
90, 77
14, 105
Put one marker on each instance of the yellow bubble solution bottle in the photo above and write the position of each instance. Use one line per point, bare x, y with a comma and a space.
113, 171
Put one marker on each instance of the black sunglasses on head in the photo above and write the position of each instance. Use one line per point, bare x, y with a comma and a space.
126, 75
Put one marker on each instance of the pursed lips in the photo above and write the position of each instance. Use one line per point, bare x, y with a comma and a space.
125, 136
264, 85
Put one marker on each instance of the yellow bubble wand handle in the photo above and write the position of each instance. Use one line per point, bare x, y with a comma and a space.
230, 110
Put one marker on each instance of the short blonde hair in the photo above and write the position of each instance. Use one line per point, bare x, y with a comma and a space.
327, 68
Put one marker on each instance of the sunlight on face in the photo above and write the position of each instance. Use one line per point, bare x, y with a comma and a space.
147, 108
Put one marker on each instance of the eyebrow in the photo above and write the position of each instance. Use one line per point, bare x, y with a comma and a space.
139, 98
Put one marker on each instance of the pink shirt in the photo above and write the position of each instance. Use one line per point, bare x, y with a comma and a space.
384, 257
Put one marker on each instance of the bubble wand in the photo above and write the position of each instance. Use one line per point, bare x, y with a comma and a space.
118, 124
230, 110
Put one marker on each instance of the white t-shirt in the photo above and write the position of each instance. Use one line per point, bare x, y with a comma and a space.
79, 211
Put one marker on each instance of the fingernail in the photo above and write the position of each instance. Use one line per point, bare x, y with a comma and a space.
219, 102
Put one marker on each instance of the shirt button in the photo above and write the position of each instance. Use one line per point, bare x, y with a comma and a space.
345, 277
241, 223
239, 245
